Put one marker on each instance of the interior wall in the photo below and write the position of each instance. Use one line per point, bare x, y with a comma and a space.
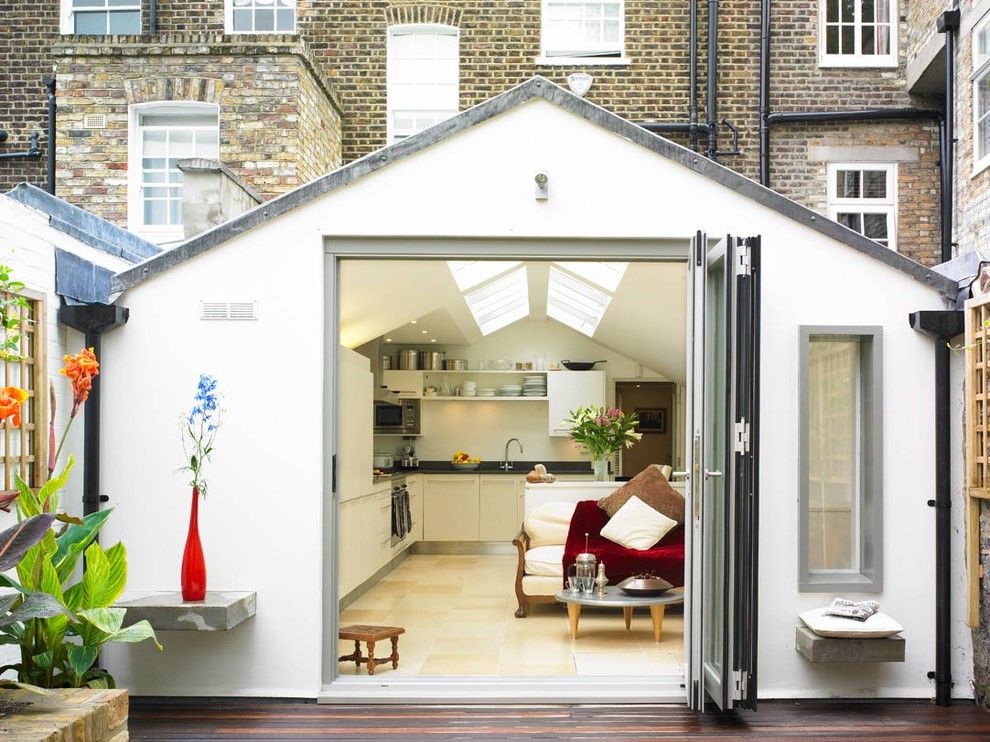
653, 448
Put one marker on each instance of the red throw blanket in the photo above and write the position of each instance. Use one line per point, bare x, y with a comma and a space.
665, 560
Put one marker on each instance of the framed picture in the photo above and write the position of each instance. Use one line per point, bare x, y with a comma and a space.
652, 419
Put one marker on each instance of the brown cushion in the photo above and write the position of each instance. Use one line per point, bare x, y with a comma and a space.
651, 487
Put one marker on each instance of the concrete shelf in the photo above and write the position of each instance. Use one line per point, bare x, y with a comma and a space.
166, 611
816, 648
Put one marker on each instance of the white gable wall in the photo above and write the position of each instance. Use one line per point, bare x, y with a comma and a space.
261, 523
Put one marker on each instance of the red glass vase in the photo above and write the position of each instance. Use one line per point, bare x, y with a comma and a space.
193, 563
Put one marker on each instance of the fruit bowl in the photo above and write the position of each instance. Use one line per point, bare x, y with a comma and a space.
465, 465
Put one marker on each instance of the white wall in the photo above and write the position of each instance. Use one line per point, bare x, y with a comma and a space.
28, 247
482, 428
262, 523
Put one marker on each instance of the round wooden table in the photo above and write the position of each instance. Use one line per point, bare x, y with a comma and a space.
615, 598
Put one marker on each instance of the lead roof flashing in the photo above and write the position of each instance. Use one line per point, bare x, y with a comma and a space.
535, 87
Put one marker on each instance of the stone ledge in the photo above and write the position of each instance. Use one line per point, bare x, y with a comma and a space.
67, 715
166, 611
816, 648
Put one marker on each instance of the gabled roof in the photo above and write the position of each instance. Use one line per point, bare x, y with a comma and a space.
85, 227
535, 87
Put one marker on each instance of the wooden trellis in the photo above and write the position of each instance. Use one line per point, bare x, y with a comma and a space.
24, 450
977, 393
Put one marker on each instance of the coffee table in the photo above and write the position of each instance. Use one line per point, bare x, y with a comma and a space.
615, 598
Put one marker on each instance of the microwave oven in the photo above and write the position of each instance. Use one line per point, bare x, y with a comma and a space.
400, 418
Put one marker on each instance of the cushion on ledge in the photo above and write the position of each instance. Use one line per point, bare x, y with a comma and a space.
877, 626
651, 487
547, 524
637, 525
545, 560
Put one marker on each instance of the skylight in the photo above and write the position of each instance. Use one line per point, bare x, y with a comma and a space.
500, 302
606, 275
469, 273
577, 304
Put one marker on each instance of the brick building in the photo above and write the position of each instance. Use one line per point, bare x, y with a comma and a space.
297, 87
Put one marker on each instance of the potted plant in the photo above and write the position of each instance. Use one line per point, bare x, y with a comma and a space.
601, 432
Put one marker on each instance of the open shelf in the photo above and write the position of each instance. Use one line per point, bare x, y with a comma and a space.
485, 399
487, 371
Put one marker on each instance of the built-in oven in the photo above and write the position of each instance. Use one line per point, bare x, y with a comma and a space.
397, 418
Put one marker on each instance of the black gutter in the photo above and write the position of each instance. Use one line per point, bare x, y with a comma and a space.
52, 113
862, 114
33, 150
93, 320
712, 80
942, 326
677, 126
948, 24
764, 92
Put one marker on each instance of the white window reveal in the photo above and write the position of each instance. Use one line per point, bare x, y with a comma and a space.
583, 32
423, 78
500, 302
163, 134
981, 94
841, 456
260, 16
864, 198
858, 33
101, 17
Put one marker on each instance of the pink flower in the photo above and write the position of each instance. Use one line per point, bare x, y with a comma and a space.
615, 412
601, 420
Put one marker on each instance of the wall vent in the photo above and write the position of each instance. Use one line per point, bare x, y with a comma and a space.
95, 121
229, 310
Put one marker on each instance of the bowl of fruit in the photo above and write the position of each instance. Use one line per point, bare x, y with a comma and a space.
463, 461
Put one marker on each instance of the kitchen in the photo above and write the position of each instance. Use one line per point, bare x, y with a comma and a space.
445, 414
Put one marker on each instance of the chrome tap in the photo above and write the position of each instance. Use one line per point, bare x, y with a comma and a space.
506, 465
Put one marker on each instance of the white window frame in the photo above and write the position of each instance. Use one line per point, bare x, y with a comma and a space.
228, 22
886, 205
857, 58
157, 233
413, 28
981, 72
551, 61
67, 15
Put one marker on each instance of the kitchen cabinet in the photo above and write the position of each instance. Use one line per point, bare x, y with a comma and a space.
568, 390
380, 530
349, 548
407, 384
499, 507
364, 538
451, 508
415, 485
355, 426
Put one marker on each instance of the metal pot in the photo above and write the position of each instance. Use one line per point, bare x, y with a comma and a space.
386, 363
408, 360
454, 364
383, 461
431, 360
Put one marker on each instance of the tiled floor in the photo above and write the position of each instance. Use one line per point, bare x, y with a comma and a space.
458, 615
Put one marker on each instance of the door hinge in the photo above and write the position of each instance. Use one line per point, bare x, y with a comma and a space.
741, 437
740, 680
744, 266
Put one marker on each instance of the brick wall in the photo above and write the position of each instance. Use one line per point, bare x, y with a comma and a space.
279, 119
921, 15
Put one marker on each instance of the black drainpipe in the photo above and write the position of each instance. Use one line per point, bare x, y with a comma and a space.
153, 17
52, 113
942, 326
948, 24
93, 320
712, 79
693, 75
33, 150
764, 92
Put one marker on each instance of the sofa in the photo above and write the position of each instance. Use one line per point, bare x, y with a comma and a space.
546, 540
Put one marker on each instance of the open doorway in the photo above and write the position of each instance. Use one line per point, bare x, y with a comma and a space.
463, 365
654, 404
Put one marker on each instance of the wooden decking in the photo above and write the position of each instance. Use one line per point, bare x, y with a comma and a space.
246, 719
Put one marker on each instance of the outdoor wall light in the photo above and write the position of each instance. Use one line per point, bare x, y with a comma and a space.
542, 186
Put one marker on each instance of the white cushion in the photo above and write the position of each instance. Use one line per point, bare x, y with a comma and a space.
545, 560
637, 526
541, 585
549, 523
877, 626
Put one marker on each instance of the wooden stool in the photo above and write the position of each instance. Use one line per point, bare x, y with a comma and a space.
370, 635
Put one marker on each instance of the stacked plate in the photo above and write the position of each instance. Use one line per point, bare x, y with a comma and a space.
534, 386
486, 391
469, 389
510, 390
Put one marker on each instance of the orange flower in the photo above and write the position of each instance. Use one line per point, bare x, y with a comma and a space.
11, 399
80, 370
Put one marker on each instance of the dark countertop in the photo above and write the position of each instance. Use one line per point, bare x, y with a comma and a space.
519, 468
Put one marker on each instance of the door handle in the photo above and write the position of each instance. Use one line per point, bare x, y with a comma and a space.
680, 474
712, 474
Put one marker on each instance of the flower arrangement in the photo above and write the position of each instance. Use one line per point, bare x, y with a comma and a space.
602, 431
199, 430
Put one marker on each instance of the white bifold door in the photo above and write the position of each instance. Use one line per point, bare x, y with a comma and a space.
723, 475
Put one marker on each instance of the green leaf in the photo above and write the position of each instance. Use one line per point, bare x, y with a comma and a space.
136, 632
50, 489
105, 575
74, 541
16, 685
28, 504
36, 605
6, 601
107, 620
81, 658
6, 581
16, 540
44, 659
